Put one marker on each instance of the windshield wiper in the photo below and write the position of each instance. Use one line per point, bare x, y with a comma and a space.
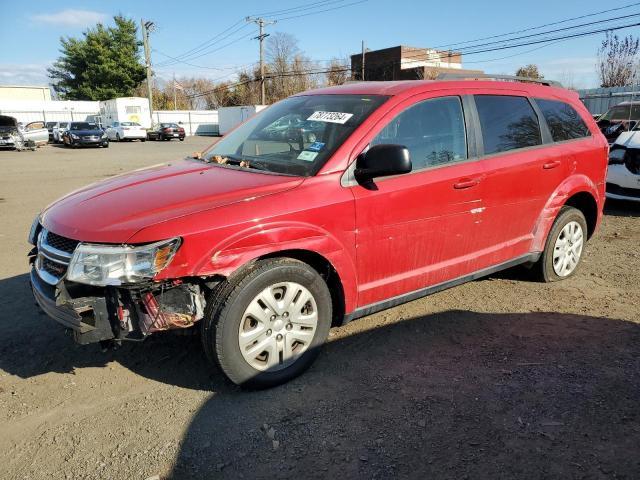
246, 163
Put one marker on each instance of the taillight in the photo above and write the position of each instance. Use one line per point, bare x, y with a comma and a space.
166, 129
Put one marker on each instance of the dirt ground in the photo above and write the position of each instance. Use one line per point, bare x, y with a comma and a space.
500, 378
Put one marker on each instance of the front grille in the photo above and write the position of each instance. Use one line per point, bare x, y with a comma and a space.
61, 243
54, 256
625, 192
53, 268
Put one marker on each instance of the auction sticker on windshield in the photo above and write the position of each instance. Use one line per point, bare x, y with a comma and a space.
330, 117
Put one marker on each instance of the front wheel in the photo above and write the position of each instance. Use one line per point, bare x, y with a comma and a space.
564, 246
266, 325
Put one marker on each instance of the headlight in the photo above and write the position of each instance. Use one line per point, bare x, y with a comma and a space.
104, 134
74, 136
114, 265
33, 233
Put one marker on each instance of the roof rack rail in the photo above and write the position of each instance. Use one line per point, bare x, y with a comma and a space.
485, 76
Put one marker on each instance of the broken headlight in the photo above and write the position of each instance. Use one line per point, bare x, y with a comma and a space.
116, 265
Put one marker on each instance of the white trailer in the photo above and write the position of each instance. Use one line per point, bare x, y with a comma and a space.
125, 109
230, 117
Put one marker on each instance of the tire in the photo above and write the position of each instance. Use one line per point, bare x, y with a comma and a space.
226, 314
143, 139
548, 268
182, 139
118, 137
106, 145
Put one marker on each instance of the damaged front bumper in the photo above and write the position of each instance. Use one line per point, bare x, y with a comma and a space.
124, 313
88, 317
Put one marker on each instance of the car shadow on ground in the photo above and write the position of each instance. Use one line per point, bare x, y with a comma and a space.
621, 208
457, 394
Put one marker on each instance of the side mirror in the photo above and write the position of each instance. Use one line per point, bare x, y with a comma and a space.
382, 161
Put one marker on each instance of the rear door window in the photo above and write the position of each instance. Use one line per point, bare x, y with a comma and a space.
563, 120
507, 123
433, 131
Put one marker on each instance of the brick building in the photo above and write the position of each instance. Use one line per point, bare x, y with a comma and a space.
407, 63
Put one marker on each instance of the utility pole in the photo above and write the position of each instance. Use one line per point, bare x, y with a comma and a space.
363, 52
175, 103
146, 28
261, 22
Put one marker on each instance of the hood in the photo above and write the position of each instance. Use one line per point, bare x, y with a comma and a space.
113, 210
629, 139
8, 124
93, 131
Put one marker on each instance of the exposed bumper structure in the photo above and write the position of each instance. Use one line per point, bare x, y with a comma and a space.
88, 317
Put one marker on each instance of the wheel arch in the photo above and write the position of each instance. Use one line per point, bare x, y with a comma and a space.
577, 191
586, 203
326, 270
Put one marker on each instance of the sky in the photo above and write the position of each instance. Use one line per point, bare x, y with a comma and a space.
30, 32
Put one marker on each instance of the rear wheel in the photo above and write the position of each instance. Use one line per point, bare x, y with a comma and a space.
266, 326
564, 246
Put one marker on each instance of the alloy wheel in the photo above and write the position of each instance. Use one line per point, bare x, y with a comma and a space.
568, 249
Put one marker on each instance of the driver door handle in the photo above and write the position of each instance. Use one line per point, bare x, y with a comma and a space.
466, 183
552, 164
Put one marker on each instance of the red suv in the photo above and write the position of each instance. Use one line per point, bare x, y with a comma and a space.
374, 194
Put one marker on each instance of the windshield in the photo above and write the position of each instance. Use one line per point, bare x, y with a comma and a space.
169, 125
297, 135
130, 124
51, 124
83, 126
622, 112
63, 124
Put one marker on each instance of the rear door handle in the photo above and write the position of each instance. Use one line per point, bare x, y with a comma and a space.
466, 183
550, 165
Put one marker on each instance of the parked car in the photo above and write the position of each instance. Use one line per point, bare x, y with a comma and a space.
623, 175
409, 188
59, 130
166, 131
82, 134
14, 134
621, 118
121, 131
49, 126
54, 127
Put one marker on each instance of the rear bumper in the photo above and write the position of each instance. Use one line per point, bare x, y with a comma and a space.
88, 317
134, 136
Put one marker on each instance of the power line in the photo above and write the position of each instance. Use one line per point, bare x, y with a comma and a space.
441, 55
612, 19
203, 48
281, 19
307, 6
539, 26
206, 43
235, 40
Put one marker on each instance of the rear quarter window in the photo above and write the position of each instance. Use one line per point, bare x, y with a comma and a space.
507, 123
563, 120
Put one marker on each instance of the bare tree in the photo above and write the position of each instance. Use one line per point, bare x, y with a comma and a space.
529, 71
618, 60
339, 72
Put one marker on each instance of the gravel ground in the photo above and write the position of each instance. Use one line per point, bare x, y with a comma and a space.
498, 378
